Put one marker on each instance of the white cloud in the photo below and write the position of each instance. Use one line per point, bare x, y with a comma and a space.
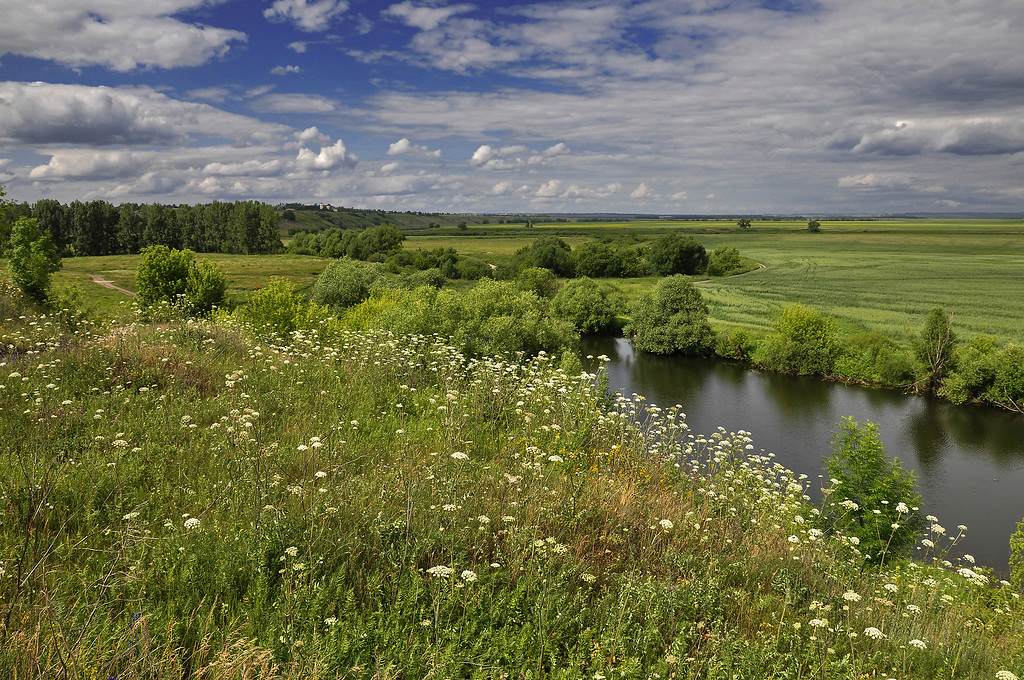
294, 103
285, 70
45, 113
680, 196
119, 34
501, 188
312, 134
549, 189
966, 136
424, 17
307, 15
483, 153
641, 192
404, 146
389, 168
88, 164
250, 168
213, 94
299, 46
329, 157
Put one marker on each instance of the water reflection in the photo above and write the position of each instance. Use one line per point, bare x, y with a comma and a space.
969, 461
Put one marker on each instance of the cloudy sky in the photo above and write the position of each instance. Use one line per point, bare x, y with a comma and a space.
682, 106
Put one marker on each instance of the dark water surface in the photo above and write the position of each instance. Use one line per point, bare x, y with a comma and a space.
969, 461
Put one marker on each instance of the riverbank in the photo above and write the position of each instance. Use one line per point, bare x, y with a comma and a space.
185, 499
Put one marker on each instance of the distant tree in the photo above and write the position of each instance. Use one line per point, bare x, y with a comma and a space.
723, 261
674, 253
537, 280
288, 215
598, 260
32, 258
804, 341
673, 318
586, 304
463, 226
743, 223
813, 226
935, 348
549, 252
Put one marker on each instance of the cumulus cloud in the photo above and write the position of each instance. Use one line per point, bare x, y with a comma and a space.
506, 157
330, 157
312, 134
424, 17
483, 153
87, 164
45, 113
286, 70
119, 34
641, 192
549, 189
250, 168
306, 15
501, 188
404, 146
389, 168
293, 103
967, 136
881, 181
299, 46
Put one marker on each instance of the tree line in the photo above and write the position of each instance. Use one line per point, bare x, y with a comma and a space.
101, 228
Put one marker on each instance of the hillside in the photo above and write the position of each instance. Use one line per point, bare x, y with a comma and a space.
184, 499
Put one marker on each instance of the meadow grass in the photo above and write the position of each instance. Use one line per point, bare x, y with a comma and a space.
187, 500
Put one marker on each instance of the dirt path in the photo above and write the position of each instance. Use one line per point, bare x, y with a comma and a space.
107, 283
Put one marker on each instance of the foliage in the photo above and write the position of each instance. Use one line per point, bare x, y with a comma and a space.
586, 305
734, 343
32, 258
813, 226
275, 309
548, 252
374, 244
803, 341
984, 371
344, 283
935, 348
743, 224
537, 280
882, 506
675, 253
724, 261
672, 319
1017, 557
493, 317
171, 276
873, 358
598, 259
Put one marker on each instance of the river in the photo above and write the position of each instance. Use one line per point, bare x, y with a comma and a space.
969, 461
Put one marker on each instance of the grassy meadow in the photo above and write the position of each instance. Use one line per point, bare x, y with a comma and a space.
186, 499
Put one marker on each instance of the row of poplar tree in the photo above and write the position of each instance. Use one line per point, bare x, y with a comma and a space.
101, 228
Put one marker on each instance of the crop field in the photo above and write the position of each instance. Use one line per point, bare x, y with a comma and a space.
880, 275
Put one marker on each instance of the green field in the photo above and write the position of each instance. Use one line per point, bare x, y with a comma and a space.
882, 275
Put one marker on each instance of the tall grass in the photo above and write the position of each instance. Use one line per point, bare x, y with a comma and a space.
184, 500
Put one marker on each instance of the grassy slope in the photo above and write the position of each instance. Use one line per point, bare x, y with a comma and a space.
329, 479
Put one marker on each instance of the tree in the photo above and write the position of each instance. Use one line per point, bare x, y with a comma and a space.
548, 252
586, 305
167, 275
671, 319
813, 226
935, 348
32, 258
744, 224
873, 498
804, 341
723, 261
598, 260
345, 282
674, 253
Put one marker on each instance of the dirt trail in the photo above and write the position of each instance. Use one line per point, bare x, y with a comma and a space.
107, 283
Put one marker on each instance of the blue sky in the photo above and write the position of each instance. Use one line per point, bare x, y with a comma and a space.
624, 105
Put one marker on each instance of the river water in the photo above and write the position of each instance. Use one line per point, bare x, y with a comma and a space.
969, 461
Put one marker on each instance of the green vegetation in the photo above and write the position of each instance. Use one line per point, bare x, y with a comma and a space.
585, 304
804, 341
547, 252
375, 243
187, 500
675, 253
672, 319
345, 283
32, 257
174, 277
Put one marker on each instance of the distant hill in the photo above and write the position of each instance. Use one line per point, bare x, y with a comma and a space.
298, 217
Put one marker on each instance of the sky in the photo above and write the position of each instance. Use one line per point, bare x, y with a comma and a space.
635, 106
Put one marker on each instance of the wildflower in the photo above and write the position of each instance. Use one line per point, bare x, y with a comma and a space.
928, 543
331, 620
913, 609
483, 519
440, 571
902, 508
130, 516
917, 644
891, 587
192, 523
459, 455
291, 551
873, 633
969, 558
1005, 675
468, 575
851, 596
588, 578
320, 474
666, 524
818, 623
556, 459
793, 539
299, 566
849, 505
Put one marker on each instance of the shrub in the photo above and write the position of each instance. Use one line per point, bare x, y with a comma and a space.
598, 260
548, 252
973, 370
743, 224
344, 283
675, 253
586, 305
32, 258
813, 226
935, 348
538, 280
471, 269
724, 261
804, 342
673, 318
878, 491
428, 277
171, 276
734, 344
1008, 387
273, 309
376, 242
875, 358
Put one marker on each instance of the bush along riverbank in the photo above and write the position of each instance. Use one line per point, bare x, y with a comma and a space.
196, 498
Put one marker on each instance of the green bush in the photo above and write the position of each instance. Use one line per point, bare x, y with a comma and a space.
273, 309
973, 370
586, 305
724, 261
472, 269
673, 318
538, 280
882, 505
32, 258
174, 277
597, 259
804, 341
548, 252
675, 253
874, 358
936, 349
427, 277
344, 283
734, 344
